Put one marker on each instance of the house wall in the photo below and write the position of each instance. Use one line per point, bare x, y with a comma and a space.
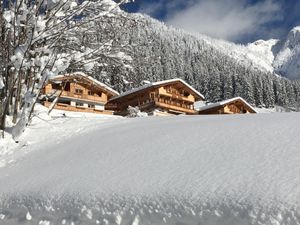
136, 100
236, 108
99, 107
48, 89
78, 97
175, 93
95, 95
167, 99
232, 108
212, 112
79, 91
67, 107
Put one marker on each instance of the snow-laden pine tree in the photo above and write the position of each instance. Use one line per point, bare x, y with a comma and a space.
38, 41
297, 93
160, 52
268, 92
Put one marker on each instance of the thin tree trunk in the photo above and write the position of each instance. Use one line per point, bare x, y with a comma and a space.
17, 100
6, 107
51, 107
56, 99
36, 98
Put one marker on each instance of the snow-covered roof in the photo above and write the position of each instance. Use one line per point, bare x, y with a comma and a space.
159, 83
227, 101
91, 79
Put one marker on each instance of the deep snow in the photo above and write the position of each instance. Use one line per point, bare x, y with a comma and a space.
202, 170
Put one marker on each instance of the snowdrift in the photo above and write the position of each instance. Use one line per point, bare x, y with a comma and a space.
202, 170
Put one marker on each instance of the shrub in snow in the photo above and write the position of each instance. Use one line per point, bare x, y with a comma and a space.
135, 112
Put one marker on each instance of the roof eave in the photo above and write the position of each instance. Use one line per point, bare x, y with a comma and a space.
91, 79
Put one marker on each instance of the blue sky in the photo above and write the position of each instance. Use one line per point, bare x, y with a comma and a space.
240, 21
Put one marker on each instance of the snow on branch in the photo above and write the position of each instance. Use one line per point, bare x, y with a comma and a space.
35, 36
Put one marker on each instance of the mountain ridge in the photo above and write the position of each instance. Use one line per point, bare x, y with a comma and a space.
287, 61
218, 69
281, 57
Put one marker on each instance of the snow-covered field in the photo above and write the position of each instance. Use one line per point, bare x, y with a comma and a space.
199, 170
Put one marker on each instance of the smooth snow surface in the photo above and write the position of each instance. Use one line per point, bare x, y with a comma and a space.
200, 170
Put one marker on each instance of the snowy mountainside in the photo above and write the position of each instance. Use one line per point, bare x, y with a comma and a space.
212, 170
262, 52
287, 62
216, 68
280, 57
257, 55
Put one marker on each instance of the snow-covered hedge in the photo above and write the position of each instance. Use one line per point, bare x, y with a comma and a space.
135, 112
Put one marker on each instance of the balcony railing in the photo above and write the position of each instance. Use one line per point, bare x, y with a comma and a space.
82, 96
67, 107
159, 102
176, 95
175, 107
163, 103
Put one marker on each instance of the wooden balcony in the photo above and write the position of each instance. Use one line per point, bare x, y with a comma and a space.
175, 95
113, 107
67, 107
83, 97
175, 108
150, 104
179, 97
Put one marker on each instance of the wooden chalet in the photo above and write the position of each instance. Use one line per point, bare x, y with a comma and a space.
231, 106
160, 98
78, 92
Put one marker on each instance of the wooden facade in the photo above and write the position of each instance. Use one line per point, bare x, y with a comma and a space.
231, 106
78, 92
167, 97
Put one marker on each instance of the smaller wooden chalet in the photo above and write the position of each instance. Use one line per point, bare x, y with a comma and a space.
231, 106
78, 92
160, 98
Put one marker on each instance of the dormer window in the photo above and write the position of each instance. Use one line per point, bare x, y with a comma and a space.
55, 86
186, 94
78, 91
79, 104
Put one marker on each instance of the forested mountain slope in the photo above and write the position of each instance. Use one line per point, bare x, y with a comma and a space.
216, 68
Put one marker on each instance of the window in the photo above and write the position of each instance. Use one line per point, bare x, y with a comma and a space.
186, 94
79, 104
64, 102
67, 86
152, 96
91, 106
79, 91
55, 86
90, 93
